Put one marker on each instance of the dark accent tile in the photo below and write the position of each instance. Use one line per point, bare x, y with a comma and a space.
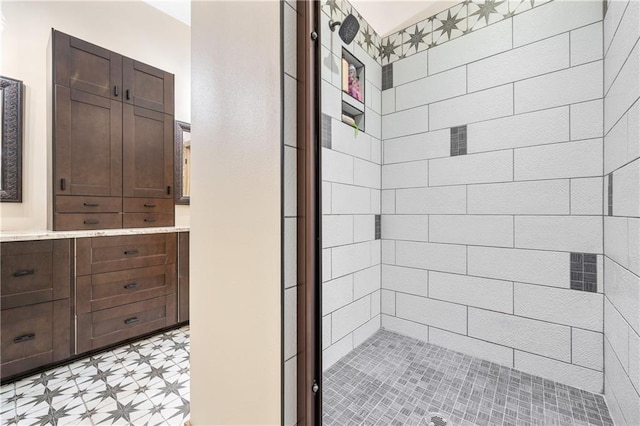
610, 195
325, 134
378, 227
584, 272
387, 76
458, 140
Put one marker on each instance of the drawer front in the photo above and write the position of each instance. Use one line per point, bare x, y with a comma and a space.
34, 335
83, 221
108, 254
81, 204
148, 220
113, 325
148, 205
34, 272
110, 289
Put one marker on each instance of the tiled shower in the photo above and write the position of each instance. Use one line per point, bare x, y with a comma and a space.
491, 207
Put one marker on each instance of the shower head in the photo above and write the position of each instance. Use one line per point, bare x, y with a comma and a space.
348, 28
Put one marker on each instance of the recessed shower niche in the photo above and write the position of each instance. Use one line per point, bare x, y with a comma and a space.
353, 78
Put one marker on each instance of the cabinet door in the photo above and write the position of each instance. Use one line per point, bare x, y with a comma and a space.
148, 153
87, 144
147, 87
84, 66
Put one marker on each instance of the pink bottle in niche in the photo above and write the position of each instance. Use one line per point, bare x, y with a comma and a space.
354, 84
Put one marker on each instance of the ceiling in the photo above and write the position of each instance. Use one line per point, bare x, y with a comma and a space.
385, 16
179, 9
389, 16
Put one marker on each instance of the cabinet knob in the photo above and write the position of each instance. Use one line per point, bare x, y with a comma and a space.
131, 320
149, 205
91, 222
129, 252
150, 220
131, 286
91, 204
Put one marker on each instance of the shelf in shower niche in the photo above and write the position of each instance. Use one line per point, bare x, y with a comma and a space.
353, 109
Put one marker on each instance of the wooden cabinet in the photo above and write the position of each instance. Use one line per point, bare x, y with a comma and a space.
86, 67
148, 153
112, 137
123, 287
148, 87
183, 276
126, 287
35, 305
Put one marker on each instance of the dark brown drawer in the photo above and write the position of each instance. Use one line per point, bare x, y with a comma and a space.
82, 204
148, 205
82, 221
34, 335
107, 254
146, 220
108, 326
34, 272
102, 291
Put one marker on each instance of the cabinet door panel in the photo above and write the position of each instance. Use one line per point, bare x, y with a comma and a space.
148, 153
84, 66
148, 87
88, 144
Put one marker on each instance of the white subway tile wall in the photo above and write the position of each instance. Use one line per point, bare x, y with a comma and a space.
621, 230
352, 178
490, 274
476, 248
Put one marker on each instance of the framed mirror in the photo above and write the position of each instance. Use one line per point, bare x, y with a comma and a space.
182, 162
11, 146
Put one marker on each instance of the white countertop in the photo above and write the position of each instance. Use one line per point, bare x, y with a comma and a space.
6, 236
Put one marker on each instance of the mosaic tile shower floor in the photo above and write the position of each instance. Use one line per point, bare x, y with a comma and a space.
143, 383
396, 380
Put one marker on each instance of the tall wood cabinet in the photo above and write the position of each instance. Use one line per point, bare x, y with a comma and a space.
112, 139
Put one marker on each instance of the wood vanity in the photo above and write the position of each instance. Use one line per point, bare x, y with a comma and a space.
71, 293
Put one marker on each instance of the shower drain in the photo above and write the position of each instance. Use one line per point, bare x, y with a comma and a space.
436, 419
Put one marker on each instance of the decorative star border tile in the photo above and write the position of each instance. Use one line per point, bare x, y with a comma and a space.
458, 20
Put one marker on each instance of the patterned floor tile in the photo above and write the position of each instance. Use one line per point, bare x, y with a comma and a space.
143, 383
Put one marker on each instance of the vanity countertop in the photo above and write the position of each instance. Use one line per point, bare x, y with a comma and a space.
7, 236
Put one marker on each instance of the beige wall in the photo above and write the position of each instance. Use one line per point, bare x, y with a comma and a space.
133, 29
236, 210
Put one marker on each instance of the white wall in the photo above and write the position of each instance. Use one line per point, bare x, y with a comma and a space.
350, 200
622, 228
236, 290
476, 247
133, 29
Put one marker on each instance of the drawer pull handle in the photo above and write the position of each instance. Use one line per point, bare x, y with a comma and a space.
24, 338
91, 222
128, 94
91, 204
131, 286
149, 205
131, 320
128, 252
24, 273
150, 220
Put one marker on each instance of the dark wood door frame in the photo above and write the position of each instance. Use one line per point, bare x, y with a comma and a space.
309, 365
